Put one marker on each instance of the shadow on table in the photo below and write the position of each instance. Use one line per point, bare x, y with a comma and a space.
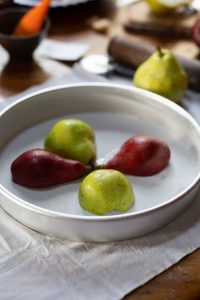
17, 77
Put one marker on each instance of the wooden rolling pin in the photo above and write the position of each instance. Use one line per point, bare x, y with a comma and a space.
132, 53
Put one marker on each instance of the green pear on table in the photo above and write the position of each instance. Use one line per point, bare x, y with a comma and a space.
162, 7
162, 74
73, 139
103, 191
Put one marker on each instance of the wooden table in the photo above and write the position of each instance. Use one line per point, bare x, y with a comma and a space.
182, 281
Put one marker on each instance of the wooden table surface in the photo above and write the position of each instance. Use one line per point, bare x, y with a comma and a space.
182, 281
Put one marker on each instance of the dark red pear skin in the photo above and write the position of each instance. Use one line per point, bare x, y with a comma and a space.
38, 168
141, 156
196, 32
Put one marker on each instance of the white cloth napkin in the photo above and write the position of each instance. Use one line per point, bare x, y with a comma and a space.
35, 266
59, 50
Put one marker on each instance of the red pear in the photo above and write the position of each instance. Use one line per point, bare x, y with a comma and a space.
39, 168
196, 32
141, 156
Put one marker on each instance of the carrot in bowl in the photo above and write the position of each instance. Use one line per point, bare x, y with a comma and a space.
33, 20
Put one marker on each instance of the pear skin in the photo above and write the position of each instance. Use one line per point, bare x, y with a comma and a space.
158, 8
165, 7
141, 155
103, 191
73, 139
162, 74
38, 168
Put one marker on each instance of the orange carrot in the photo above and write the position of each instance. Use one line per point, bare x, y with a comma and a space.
33, 20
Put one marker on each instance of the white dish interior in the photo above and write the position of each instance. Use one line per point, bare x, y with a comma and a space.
114, 120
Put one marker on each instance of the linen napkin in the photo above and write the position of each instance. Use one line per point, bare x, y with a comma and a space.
36, 266
61, 50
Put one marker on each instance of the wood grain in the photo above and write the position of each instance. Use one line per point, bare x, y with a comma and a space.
180, 282
16, 78
141, 19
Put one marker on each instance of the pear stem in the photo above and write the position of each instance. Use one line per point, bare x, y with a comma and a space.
98, 167
160, 53
92, 166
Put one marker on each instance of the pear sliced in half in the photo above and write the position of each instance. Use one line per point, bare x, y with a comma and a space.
103, 191
72, 139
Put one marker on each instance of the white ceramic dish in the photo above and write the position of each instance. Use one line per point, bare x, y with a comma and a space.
115, 112
54, 3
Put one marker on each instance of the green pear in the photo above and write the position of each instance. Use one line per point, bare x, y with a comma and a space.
162, 74
73, 139
103, 191
162, 7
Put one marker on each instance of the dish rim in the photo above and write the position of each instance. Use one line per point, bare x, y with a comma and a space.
52, 5
152, 97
